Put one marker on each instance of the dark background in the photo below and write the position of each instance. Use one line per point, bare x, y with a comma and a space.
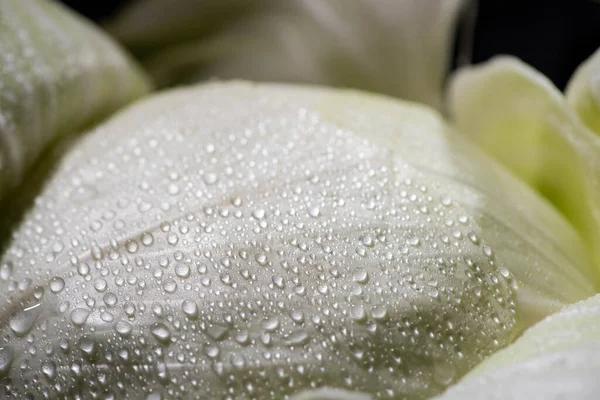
554, 36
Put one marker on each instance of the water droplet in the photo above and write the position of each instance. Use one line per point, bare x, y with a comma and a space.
190, 308
379, 312
360, 275
259, 213
7, 355
100, 285
357, 313
160, 332
217, 331
278, 281
22, 321
242, 337
170, 286
212, 351
182, 270
297, 338
210, 178
6, 271
123, 328
87, 345
56, 284
172, 238
367, 240
237, 360
413, 241
79, 316
443, 372
49, 369
271, 324
132, 246
147, 239
110, 299
314, 212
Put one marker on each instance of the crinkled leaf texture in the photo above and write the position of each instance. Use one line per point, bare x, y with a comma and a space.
250, 241
400, 48
559, 358
57, 75
515, 114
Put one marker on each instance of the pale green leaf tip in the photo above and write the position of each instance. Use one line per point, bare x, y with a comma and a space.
518, 116
583, 92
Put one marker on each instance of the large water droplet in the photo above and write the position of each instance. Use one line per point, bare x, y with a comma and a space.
22, 321
49, 369
56, 284
160, 332
79, 316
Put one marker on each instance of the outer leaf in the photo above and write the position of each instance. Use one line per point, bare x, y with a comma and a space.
57, 75
559, 358
583, 92
245, 241
399, 48
516, 115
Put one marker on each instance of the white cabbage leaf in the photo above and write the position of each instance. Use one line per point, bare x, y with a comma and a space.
516, 115
400, 48
243, 241
58, 74
559, 358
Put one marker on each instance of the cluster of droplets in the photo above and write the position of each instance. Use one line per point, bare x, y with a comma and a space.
244, 255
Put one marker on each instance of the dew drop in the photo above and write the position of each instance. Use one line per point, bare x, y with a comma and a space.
360, 275
182, 270
190, 309
7, 355
22, 321
160, 332
79, 316
56, 284
357, 313
259, 213
123, 328
49, 369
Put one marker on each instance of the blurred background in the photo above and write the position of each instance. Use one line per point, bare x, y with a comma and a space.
554, 36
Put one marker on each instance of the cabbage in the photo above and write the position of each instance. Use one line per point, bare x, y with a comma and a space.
254, 241
269, 241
